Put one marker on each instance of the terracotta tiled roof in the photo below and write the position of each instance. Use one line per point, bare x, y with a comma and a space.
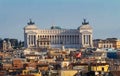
92, 64
115, 73
25, 75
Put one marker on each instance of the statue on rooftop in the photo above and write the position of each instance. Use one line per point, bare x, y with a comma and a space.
85, 23
30, 23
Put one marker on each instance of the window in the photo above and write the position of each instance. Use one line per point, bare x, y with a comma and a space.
104, 46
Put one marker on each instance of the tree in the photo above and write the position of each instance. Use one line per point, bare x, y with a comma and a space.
20, 44
14, 43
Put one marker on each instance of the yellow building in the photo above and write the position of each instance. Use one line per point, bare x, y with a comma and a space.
68, 72
102, 67
30, 72
118, 44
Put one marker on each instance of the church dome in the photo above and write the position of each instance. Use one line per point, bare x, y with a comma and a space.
31, 25
85, 25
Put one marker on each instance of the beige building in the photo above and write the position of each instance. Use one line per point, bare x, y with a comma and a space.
107, 43
117, 44
6, 45
56, 37
68, 72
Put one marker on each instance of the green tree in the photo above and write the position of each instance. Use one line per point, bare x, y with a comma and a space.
20, 44
14, 43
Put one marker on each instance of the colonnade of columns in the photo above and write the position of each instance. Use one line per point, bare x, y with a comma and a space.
31, 40
61, 39
87, 40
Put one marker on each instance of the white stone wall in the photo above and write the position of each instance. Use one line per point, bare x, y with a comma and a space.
71, 38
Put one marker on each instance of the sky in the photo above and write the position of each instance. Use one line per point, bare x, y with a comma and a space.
103, 16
